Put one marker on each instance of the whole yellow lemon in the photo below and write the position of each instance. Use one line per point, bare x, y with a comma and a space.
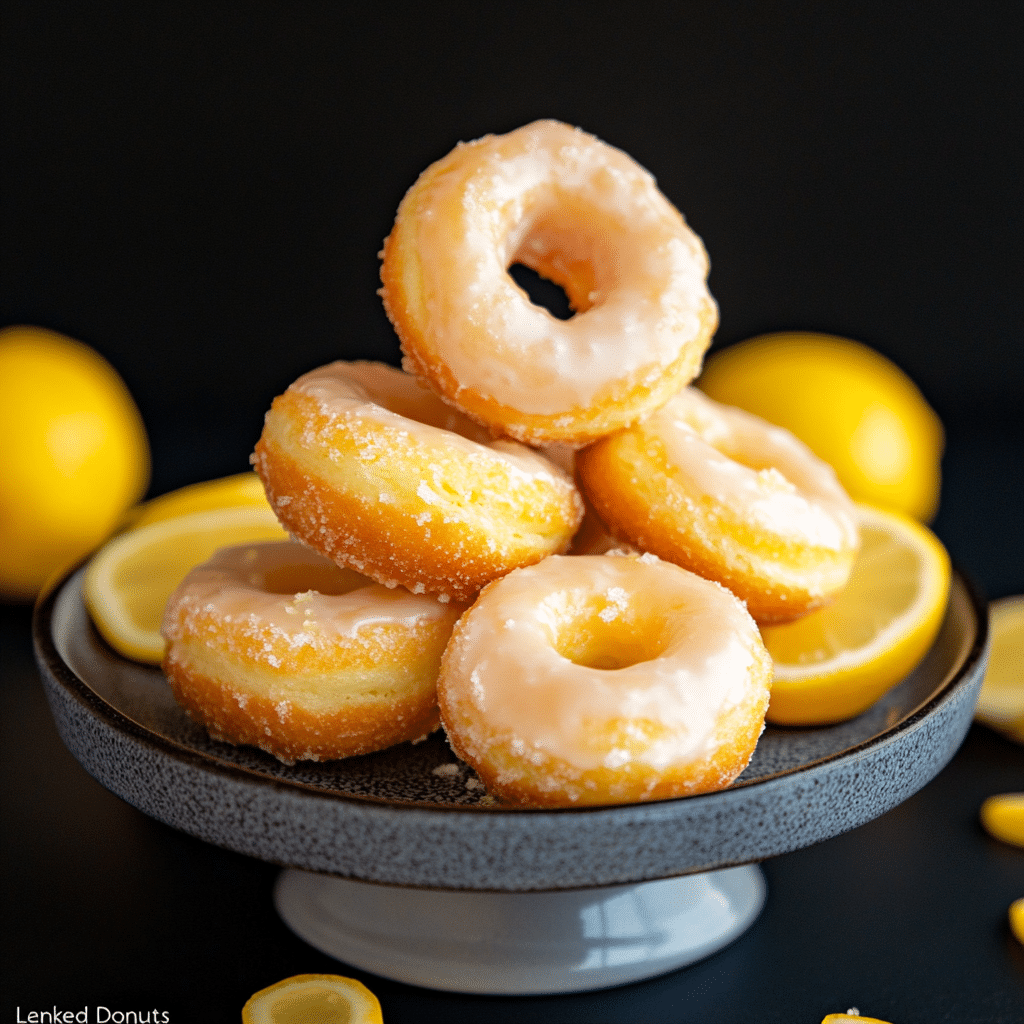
853, 407
73, 455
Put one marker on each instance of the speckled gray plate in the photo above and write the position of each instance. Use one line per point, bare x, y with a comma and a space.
413, 815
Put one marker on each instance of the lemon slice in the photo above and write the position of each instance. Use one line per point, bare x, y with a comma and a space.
1001, 701
835, 663
313, 999
242, 489
129, 580
1003, 817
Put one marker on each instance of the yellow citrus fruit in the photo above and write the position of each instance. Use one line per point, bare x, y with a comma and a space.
129, 580
1017, 919
850, 1018
242, 489
1003, 817
73, 455
853, 407
314, 999
1001, 701
836, 662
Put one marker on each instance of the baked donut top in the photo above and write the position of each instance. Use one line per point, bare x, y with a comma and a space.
376, 392
582, 213
759, 473
294, 593
559, 652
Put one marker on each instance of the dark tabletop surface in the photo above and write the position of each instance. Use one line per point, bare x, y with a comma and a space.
199, 191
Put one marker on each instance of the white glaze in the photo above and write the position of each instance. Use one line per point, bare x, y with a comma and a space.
234, 586
754, 471
548, 187
376, 393
521, 686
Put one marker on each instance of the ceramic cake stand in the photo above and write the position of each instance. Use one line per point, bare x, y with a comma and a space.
400, 864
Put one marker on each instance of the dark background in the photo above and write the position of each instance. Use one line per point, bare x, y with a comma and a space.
199, 191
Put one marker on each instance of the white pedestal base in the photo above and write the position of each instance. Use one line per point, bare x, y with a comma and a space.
522, 943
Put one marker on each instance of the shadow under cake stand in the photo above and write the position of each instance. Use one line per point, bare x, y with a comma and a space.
400, 864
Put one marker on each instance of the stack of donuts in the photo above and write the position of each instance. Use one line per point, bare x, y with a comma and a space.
536, 533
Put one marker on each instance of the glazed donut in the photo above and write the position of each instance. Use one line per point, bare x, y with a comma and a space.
730, 497
583, 214
604, 679
274, 646
374, 471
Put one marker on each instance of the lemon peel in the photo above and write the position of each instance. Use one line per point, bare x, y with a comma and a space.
309, 998
836, 662
1017, 919
1003, 817
129, 580
853, 407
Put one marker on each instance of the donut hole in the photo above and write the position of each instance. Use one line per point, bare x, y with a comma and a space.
299, 578
611, 638
542, 291
556, 260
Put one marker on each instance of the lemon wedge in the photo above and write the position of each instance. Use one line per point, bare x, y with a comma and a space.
1001, 701
314, 999
241, 489
1003, 817
836, 662
129, 580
